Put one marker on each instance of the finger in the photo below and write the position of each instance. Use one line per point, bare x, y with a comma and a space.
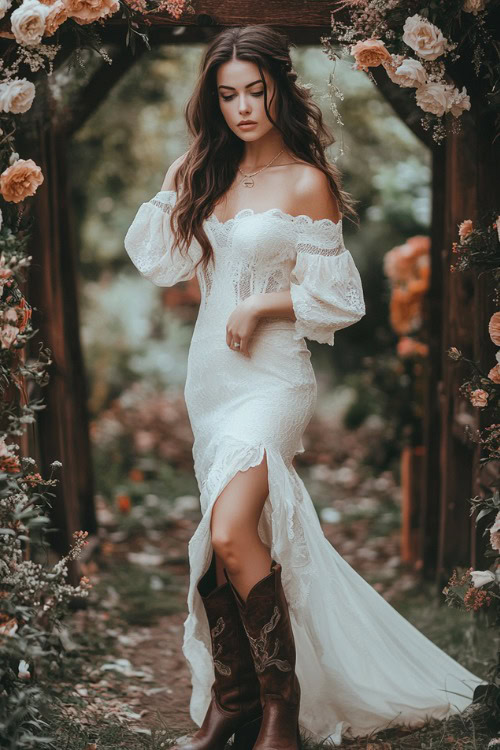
229, 338
244, 346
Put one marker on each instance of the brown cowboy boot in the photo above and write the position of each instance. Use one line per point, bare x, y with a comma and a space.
235, 707
267, 624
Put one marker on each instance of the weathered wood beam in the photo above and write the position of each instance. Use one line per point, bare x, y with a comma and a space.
98, 88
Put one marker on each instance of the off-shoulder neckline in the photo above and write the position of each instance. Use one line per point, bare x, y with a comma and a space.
276, 211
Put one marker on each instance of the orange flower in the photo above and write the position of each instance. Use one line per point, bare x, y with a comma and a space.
24, 314
55, 18
494, 328
136, 475
124, 503
370, 53
20, 180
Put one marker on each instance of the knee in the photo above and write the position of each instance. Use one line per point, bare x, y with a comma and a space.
227, 548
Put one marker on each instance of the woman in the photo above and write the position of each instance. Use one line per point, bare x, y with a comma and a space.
280, 627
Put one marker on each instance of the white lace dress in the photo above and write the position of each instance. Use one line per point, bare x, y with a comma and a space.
361, 665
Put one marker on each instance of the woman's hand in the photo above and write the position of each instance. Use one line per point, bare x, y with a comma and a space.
241, 324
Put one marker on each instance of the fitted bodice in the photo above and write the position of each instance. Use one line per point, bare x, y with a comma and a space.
253, 252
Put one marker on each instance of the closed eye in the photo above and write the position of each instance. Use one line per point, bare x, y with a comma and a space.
228, 98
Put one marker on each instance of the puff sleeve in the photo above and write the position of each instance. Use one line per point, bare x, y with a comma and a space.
149, 241
325, 284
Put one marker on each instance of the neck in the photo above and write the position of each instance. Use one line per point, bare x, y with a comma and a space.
259, 153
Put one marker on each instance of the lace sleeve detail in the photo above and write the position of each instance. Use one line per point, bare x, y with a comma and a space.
148, 242
325, 284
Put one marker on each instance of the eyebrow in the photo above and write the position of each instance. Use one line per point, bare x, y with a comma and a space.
259, 80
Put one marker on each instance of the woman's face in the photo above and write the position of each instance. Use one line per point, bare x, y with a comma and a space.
241, 98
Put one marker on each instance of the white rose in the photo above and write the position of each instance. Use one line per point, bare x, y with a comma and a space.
4, 7
410, 73
435, 97
28, 22
16, 96
481, 577
459, 102
473, 6
423, 37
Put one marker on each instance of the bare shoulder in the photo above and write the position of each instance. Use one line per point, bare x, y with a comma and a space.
169, 181
313, 195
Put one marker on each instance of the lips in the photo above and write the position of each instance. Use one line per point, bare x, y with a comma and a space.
247, 122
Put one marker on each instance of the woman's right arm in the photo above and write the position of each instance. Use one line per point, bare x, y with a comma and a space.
149, 241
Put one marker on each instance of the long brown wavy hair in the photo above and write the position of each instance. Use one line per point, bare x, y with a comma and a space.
211, 163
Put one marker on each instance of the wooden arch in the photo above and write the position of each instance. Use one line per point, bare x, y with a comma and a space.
465, 169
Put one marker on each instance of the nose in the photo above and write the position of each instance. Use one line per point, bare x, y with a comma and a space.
244, 104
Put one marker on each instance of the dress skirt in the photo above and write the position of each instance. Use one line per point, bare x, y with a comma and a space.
361, 665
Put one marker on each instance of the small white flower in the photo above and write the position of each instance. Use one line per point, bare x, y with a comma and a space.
422, 36
497, 222
1, 218
481, 577
23, 670
13, 158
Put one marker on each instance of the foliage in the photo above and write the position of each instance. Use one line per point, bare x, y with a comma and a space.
478, 590
34, 598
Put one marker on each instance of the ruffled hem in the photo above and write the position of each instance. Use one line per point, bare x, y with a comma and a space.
361, 665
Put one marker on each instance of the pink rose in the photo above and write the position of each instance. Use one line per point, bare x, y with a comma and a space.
20, 180
494, 374
369, 54
495, 533
465, 228
479, 398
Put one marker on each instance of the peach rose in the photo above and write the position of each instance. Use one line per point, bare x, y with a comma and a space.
479, 398
494, 328
423, 37
57, 16
87, 11
20, 180
369, 54
494, 374
465, 228
28, 22
409, 73
473, 6
495, 533
460, 101
435, 97
16, 96
4, 7
8, 335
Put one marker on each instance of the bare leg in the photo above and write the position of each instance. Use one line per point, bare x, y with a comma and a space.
234, 524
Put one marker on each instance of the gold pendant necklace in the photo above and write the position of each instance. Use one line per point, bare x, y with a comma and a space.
248, 182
